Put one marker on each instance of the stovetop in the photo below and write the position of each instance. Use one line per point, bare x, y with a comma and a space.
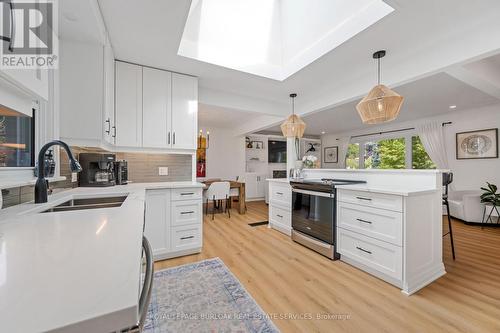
322, 185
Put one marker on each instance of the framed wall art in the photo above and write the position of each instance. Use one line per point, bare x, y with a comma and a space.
477, 144
331, 154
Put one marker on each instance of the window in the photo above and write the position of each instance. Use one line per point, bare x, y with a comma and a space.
352, 158
420, 159
16, 139
389, 153
385, 154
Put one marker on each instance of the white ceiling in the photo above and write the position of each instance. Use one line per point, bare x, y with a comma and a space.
273, 38
427, 97
420, 37
216, 117
80, 20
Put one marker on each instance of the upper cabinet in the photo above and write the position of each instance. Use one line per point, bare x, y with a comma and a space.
156, 108
109, 94
184, 111
128, 105
81, 90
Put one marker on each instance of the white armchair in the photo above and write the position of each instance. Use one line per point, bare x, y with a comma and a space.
466, 205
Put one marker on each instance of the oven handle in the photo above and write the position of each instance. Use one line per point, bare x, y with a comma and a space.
318, 194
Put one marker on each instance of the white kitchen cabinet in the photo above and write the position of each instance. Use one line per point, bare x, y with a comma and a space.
255, 185
157, 226
157, 108
184, 111
174, 221
280, 206
81, 93
128, 106
109, 94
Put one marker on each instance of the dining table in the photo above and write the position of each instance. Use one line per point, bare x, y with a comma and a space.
233, 184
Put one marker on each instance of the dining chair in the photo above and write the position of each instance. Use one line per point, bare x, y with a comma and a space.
447, 180
217, 192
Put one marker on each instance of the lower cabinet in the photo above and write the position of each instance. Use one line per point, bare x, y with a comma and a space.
173, 224
280, 207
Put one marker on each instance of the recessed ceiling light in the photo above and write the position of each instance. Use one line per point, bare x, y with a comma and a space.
323, 132
453, 107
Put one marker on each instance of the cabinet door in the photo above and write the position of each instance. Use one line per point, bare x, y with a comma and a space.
184, 111
109, 93
81, 93
251, 186
157, 108
261, 181
128, 106
157, 227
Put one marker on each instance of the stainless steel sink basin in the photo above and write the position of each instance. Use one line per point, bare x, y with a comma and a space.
87, 203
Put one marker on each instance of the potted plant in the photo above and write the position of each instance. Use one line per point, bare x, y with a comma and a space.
309, 161
490, 195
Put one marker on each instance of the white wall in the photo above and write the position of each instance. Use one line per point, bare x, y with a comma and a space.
226, 153
469, 174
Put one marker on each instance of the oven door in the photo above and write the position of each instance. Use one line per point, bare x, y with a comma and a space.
313, 213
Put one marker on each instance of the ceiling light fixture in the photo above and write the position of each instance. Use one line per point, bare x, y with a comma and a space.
293, 127
453, 107
381, 104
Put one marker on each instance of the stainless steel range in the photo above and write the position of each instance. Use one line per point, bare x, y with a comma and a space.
314, 213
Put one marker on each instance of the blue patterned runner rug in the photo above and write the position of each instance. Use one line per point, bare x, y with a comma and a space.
203, 297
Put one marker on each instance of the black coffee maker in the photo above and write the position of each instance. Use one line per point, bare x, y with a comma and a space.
98, 170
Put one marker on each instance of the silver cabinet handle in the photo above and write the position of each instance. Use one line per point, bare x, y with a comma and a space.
190, 212
114, 131
364, 221
145, 297
173, 139
361, 249
279, 193
188, 237
12, 27
168, 140
366, 199
109, 126
190, 193
280, 216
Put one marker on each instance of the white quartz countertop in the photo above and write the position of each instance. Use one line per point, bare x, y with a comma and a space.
402, 190
62, 268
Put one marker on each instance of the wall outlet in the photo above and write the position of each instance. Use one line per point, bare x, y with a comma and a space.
163, 171
74, 177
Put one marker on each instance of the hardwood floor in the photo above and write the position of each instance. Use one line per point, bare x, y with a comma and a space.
296, 285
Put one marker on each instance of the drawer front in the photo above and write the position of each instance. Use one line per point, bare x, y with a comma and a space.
186, 194
281, 194
370, 199
382, 224
186, 237
380, 256
280, 216
186, 212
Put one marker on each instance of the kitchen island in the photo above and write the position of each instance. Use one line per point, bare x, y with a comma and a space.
390, 227
75, 271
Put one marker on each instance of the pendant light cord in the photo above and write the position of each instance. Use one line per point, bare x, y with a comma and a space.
378, 71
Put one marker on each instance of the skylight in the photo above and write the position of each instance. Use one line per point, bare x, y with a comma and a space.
273, 38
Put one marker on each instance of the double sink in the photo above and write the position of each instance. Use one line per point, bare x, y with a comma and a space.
87, 203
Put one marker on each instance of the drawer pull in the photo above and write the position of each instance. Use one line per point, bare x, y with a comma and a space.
365, 199
279, 193
280, 216
190, 193
185, 213
364, 221
188, 237
361, 249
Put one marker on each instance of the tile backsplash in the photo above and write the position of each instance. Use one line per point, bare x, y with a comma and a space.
142, 168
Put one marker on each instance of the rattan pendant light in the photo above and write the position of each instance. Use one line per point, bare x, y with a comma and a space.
381, 104
293, 127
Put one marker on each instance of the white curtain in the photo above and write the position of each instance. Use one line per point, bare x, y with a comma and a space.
432, 137
343, 147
